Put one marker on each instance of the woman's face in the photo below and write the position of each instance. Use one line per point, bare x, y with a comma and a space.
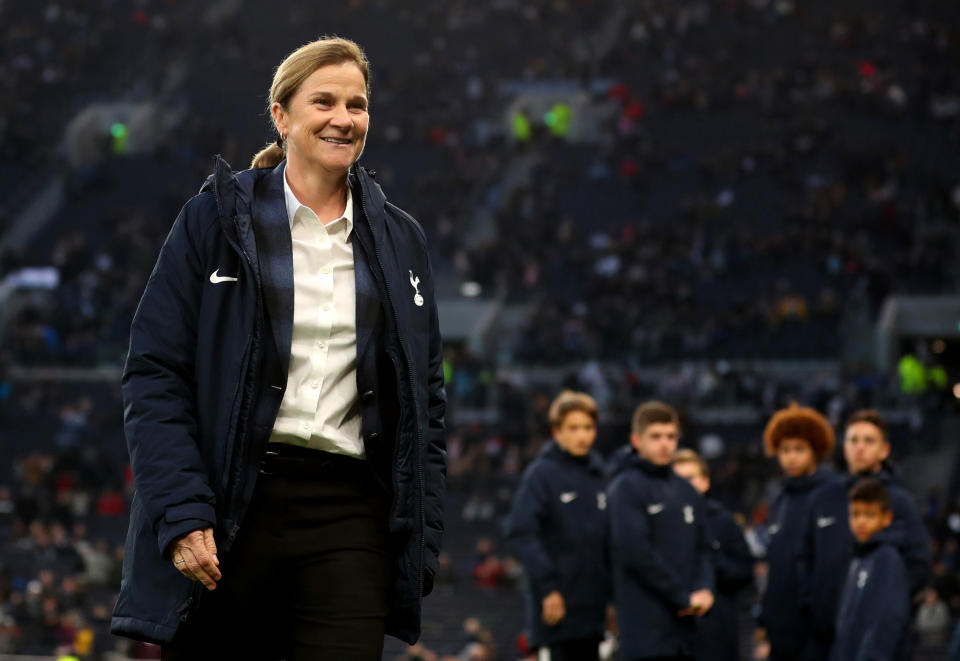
326, 120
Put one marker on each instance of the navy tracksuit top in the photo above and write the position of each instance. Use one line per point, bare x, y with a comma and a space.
733, 567
660, 554
781, 613
557, 526
873, 620
828, 546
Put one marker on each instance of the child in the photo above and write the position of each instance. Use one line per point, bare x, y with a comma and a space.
732, 562
874, 615
663, 578
828, 543
800, 438
558, 527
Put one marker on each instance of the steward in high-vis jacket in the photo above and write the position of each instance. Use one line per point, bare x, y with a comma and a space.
662, 575
557, 527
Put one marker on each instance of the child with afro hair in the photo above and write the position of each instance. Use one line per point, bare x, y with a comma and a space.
800, 438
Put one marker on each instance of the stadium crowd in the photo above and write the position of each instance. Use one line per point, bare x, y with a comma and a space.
832, 158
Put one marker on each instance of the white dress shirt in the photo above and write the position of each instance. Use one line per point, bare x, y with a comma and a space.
320, 408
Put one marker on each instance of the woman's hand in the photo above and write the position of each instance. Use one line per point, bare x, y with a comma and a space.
195, 556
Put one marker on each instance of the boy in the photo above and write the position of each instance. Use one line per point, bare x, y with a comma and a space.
558, 528
663, 578
874, 614
732, 563
828, 543
800, 438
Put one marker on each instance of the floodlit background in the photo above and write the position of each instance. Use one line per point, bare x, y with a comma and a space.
724, 204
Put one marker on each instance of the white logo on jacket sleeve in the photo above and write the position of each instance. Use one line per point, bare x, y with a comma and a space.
656, 508
862, 578
568, 496
415, 282
825, 521
601, 501
215, 277
688, 513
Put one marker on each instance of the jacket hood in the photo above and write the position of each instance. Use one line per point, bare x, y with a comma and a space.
804, 482
626, 458
552, 450
234, 190
621, 459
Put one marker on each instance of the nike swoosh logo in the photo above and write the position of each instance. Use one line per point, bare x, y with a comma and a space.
655, 509
216, 278
825, 521
568, 496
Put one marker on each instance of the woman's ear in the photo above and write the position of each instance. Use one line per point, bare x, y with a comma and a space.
279, 117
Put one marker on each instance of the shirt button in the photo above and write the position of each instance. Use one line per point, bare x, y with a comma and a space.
308, 426
320, 343
316, 384
325, 270
326, 308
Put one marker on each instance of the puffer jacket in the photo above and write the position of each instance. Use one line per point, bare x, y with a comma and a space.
206, 372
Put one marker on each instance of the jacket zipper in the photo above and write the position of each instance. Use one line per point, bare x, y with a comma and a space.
410, 376
237, 474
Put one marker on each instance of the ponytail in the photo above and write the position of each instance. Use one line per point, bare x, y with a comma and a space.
268, 157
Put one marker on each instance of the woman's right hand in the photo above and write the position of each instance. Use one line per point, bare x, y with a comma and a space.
195, 556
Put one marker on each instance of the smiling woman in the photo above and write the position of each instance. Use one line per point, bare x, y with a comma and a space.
274, 500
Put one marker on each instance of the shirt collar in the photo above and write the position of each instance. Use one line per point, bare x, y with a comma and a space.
293, 204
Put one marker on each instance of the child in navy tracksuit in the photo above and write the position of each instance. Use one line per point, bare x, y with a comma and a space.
557, 526
732, 562
663, 578
799, 437
828, 543
874, 615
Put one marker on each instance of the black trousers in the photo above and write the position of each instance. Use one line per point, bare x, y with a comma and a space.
570, 650
310, 572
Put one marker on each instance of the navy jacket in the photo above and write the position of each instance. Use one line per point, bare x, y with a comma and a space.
659, 554
733, 570
207, 369
873, 621
828, 545
781, 613
557, 526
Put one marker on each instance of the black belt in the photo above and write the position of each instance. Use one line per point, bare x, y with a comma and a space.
291, 461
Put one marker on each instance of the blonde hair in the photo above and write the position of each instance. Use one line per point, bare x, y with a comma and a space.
296, 68
688, 456
569, 401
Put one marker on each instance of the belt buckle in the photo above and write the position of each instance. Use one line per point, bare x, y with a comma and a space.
263, 462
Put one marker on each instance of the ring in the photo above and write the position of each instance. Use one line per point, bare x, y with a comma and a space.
180, 562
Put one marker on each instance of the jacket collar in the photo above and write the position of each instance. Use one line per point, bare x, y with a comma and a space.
804, 482
275, 249
861, 549
591, 461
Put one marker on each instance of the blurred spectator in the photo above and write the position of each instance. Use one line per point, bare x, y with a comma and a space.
933, 619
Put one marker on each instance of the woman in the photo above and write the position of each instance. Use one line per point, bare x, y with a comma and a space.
284, 399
